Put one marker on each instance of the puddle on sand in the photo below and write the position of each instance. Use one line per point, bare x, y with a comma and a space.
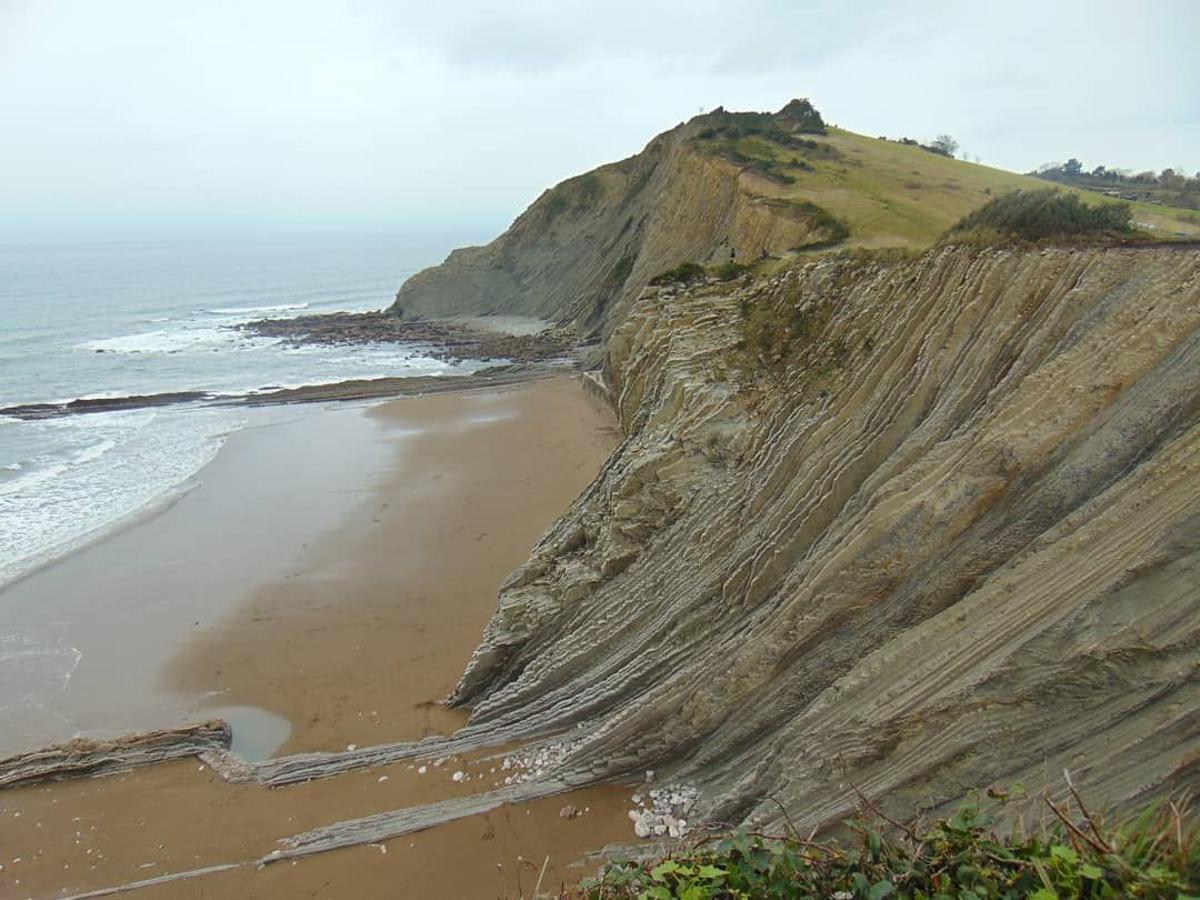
257, 733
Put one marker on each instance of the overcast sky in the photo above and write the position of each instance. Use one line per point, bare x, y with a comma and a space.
144, 119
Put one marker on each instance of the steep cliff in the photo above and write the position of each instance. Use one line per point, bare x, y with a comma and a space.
916, 525
720, 184
587, 246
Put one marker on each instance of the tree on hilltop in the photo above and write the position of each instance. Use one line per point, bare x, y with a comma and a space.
945, 145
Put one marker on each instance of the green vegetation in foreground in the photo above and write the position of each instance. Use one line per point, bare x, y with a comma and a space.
1048, 213
1156, 855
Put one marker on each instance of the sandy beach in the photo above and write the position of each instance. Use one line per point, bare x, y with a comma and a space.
322, 587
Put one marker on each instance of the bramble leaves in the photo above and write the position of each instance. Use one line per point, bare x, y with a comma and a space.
1155, 856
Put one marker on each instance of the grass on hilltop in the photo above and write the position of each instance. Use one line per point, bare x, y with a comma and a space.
890, 194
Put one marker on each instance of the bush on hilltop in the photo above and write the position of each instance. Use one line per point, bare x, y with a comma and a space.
1035, 215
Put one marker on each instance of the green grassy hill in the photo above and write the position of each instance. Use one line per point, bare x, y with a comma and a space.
891, 194
722, 185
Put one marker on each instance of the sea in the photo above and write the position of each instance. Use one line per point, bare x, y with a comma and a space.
131, 319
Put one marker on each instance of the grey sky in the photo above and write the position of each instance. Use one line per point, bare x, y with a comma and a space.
139, 119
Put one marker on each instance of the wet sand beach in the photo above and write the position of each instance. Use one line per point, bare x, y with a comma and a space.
326, 584
382, 614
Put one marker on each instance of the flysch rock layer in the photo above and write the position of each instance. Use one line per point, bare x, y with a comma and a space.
939, 530
583, 251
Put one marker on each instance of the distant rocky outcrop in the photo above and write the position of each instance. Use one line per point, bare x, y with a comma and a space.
914, 526
800, 115
585, 249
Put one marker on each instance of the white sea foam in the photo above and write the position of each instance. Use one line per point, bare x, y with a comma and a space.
38, 476
93, 452
254, 310
106, 467
181, 340
166, 319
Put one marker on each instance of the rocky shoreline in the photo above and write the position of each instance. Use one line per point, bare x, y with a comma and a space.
519, 357
356, 389
447, 339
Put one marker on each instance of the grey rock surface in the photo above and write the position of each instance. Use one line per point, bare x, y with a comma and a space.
915, 526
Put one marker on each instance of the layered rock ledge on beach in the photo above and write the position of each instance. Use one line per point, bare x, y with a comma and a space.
442, 338
916, 526
912, 519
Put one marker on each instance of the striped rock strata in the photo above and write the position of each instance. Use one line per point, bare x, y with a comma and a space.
584, 250
914, 526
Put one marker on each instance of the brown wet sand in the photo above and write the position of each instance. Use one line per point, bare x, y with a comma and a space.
360, 639
120, 608
66, 838
352, 639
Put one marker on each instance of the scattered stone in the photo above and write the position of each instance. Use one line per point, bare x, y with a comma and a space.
665, 813
568, 812
537, 762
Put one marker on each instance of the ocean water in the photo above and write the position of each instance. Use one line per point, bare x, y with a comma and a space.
122, 319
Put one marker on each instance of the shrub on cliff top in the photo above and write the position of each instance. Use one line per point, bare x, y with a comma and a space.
1155, 856
1035, 215
801, 115
684, 273
731, 270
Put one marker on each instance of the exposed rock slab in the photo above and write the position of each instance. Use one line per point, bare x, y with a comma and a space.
85, 757
443, 339
946, 533
387, 825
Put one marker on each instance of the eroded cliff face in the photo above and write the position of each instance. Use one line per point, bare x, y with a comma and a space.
918, 527
585, 249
